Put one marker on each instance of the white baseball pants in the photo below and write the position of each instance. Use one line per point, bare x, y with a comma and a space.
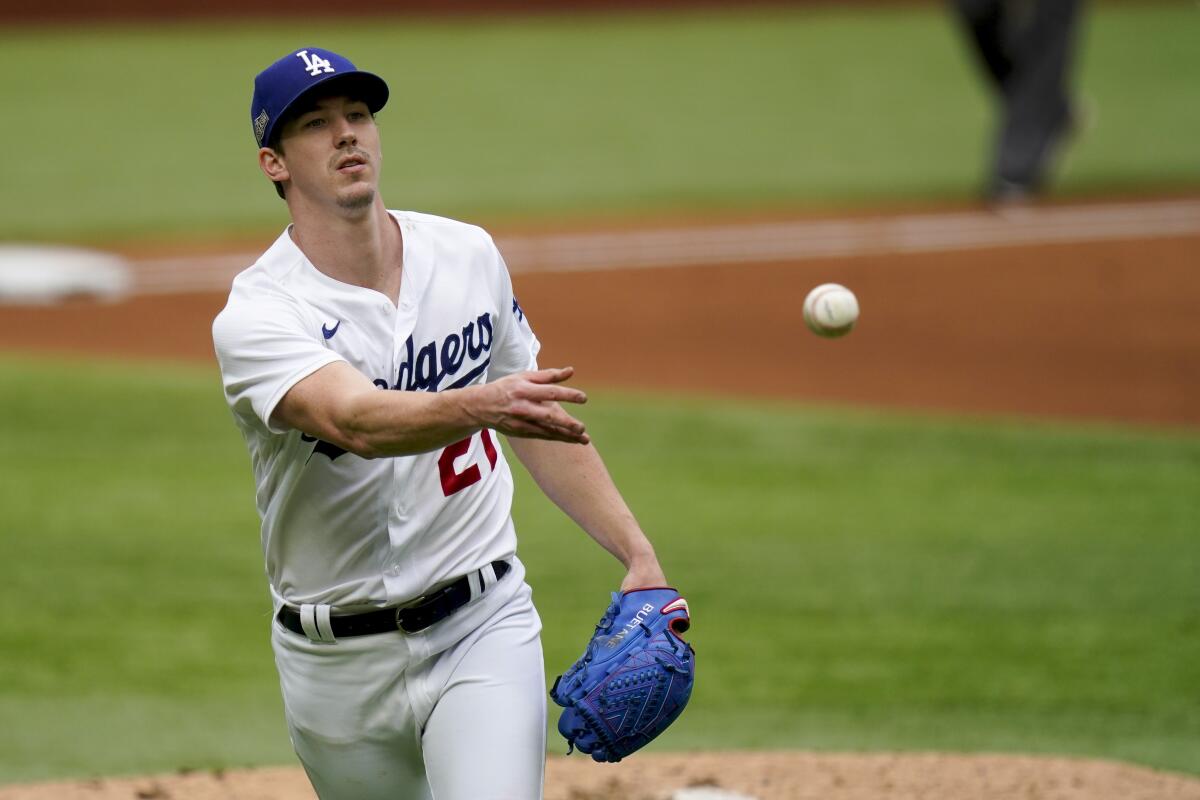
454, 712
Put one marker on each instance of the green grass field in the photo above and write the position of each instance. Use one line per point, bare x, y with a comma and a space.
119, 132
858, 580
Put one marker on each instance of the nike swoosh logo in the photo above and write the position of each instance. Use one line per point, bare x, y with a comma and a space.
328, 332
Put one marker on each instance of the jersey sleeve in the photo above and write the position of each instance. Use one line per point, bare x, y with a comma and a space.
516, 345
264, 349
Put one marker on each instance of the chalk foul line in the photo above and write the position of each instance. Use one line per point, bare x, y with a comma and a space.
764, 242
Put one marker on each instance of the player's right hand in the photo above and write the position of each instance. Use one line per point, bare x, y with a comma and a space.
527, 405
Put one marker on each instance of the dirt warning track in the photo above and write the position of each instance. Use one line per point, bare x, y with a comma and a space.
1071, 311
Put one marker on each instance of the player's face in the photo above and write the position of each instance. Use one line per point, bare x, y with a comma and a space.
331, 151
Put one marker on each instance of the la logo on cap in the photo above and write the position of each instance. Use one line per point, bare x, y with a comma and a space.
314, 63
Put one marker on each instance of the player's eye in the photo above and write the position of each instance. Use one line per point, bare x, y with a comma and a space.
315, 122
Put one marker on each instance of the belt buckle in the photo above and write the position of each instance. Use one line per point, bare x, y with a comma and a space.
407, 607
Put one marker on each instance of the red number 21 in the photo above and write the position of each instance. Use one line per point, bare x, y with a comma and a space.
457, 481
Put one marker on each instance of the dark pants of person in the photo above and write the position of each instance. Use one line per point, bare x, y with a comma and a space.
1025, 48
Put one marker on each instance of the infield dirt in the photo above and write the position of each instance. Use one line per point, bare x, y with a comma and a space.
763, 776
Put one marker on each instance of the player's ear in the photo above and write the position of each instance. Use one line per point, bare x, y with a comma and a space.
271, 163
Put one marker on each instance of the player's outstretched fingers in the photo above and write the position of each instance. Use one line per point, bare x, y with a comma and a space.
548, 421
558, 394
568, 426
546, 382
551, 374
527, 404
559, 425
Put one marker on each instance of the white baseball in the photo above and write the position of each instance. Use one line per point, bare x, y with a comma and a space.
830, 310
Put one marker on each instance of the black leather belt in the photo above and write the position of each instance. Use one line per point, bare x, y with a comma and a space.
410, 619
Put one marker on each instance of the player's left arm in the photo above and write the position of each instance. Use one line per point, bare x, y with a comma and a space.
575, 479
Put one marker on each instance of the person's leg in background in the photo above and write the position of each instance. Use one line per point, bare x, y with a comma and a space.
1025, 48
983, 21
1038, 112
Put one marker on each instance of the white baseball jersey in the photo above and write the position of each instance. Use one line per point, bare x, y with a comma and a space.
352, 532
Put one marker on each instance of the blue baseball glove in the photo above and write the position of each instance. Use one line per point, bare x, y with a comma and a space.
633, 679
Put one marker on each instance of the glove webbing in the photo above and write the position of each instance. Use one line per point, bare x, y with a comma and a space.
655, 696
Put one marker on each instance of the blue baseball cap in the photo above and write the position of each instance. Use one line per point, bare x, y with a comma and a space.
281, 85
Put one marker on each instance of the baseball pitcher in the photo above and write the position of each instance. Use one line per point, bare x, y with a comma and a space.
371, 359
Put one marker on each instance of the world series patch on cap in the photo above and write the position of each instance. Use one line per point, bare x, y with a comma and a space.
293, 77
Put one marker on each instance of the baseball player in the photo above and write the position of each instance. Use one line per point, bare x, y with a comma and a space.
370, 358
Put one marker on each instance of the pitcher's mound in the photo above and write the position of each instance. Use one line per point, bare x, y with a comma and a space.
716, 776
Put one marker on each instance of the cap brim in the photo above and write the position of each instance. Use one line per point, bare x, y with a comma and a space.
365, 86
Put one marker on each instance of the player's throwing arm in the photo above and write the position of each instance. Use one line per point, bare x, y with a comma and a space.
338, 404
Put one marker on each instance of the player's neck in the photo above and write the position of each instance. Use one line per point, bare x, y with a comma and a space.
361, 249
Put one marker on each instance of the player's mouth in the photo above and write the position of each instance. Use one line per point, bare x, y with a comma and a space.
351, 165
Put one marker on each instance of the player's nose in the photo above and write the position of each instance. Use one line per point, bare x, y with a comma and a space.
344, 132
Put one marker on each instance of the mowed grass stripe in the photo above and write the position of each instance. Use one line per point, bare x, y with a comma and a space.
858, 581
